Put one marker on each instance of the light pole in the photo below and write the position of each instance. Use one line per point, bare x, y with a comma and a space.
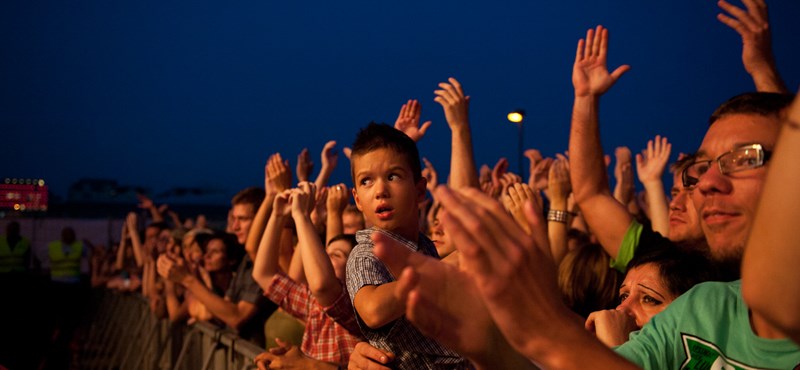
517, 117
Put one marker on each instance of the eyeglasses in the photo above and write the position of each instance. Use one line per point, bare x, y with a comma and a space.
740, 159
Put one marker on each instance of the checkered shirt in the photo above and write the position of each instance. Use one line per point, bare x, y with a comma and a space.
412, 349
328, 330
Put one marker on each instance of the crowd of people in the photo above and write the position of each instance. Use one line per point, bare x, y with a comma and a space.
492, 271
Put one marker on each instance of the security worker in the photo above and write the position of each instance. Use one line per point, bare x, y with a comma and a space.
65, 258
15, 250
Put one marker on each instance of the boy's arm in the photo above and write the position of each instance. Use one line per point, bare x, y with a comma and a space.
371, 289
136, 242
378, 305
606, 217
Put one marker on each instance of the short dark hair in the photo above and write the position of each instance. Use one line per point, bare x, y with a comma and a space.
760, 103
233, 250
350, 238
252, 195
680, 269
682, 163
380, 135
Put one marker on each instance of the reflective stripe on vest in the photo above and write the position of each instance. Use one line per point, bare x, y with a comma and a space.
62, 265
13, 260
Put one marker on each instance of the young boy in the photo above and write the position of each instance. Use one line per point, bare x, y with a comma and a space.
388, 184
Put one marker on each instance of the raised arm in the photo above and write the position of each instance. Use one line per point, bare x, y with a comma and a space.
770, 277
408, 120
623, 174
136, 242
329, 158
650, 166
463, 172
119, 263
338, 197
757, 57
558, 218
304, 165
147, 203
266, 265
277, 178
321, 278
607, 218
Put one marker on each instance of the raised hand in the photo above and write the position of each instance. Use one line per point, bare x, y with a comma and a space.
455, 104
540, 174
281, 205
485, 179
338, 197
650, 163
534, 156
144, 201
304, 165
753, 26
558, 180
498, 171
302, 199
329, 156
279, 176
408, 120
590, 76
514, 200
623, 172
513, 271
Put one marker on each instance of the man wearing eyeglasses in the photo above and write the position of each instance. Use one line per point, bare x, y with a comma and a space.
729, 169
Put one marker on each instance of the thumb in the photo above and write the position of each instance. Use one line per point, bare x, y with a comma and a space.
620, 71
424, 127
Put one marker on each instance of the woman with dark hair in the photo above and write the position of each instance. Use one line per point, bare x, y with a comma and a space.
654, 279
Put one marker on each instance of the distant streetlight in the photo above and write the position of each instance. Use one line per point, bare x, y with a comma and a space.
517, 117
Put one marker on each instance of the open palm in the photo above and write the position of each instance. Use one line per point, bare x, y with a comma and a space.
590, 75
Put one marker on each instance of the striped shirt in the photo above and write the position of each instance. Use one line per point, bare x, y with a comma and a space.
412, 349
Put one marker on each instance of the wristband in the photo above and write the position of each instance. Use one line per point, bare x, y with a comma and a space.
557, 216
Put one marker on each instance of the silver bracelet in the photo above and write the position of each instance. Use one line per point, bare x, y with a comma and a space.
557, 216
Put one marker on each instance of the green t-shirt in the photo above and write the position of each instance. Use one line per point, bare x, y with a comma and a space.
629, 243
707, 327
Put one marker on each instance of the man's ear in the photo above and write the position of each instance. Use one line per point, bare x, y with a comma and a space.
355, 198
422, 188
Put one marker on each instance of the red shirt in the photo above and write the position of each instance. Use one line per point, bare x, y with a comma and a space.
328, 330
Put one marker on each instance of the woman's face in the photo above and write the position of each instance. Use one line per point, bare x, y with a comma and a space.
643, 294
215, 259
440, 239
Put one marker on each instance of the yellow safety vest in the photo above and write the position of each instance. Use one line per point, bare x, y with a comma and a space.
65, 265
13, 260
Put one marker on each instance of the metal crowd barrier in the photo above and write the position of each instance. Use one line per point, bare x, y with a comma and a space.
123, 334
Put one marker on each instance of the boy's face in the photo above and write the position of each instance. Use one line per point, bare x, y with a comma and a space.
386, 193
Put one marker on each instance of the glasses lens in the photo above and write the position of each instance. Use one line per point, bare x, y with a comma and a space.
740, 160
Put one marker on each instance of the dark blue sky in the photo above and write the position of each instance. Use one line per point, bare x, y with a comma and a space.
199, 93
